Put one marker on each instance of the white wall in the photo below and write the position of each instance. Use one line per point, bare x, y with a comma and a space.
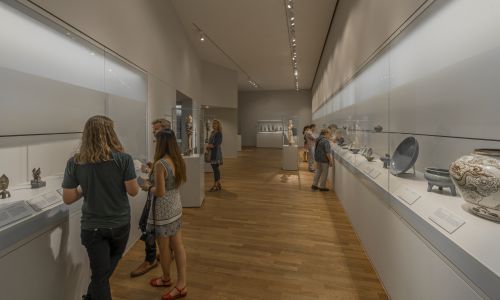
358, 29
271, 105
220, 86
147, 33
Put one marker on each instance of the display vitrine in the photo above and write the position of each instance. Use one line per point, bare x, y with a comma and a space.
432, 131
270, 133
270, 126
44, 106
190, 129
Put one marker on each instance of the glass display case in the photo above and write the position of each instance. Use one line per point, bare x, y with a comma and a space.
190, 129
270, 126
44, 106
270, 133
432, 131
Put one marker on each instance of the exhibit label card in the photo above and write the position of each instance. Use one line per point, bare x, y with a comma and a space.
14, 212
40, 202
374, 174
407, 195
447, 220
368, 170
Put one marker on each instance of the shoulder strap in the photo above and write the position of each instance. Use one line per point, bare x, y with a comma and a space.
167, 167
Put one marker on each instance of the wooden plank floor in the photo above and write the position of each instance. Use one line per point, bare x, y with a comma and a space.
265, 236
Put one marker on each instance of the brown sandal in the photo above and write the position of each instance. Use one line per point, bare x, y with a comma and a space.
160, 282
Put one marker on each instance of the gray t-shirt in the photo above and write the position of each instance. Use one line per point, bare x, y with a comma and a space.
322, 149
105, 203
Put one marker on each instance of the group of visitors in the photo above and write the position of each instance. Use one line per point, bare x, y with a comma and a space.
317, 153
104, 174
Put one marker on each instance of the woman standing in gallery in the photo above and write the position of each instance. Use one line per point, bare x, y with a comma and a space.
214, 146
103, 174
165, 216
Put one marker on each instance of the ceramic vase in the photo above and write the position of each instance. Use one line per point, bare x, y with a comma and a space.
477, 177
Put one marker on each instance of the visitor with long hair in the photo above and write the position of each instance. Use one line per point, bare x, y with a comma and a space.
214, 146
165, 216
103, 174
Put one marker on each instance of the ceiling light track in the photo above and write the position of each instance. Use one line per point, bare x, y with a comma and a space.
292, 40
205, 37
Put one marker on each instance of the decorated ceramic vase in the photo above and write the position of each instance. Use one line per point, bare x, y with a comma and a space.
477, 177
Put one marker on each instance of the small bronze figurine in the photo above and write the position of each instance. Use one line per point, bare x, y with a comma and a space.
37, 179
4, 184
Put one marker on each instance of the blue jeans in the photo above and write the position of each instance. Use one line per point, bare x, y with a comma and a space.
105, 247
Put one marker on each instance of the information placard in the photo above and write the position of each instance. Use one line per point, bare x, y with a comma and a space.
447, 220
374, 174
42, 201
14, 212
407, 195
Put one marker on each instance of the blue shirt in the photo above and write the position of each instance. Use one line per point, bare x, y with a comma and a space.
322, 149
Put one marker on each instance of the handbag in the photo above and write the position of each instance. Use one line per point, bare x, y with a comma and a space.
208, 155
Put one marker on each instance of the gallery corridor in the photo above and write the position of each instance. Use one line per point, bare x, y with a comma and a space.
265, 236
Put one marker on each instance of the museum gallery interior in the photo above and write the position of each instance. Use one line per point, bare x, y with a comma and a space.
165, 149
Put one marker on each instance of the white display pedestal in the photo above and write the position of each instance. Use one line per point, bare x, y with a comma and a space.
208, 168
269, 139
290, 157
193, 191
238, 142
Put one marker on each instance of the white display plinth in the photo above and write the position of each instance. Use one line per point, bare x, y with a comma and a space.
208, 168
290, 157
270, 139
192, 192
238, 142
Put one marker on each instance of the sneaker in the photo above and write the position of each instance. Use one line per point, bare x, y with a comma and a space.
143, 268
313, 187
324, 189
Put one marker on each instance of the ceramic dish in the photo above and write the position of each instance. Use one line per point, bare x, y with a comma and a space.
404, 156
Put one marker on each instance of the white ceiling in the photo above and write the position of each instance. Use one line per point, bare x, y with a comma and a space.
254, 33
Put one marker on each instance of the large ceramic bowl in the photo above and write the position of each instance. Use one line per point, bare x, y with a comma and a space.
404, 156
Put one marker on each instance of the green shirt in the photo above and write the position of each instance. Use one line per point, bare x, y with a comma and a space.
105, 203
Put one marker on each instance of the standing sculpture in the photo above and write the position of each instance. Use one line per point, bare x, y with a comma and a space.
37, 179
189, 132
4, 184
291, 139
208, 125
